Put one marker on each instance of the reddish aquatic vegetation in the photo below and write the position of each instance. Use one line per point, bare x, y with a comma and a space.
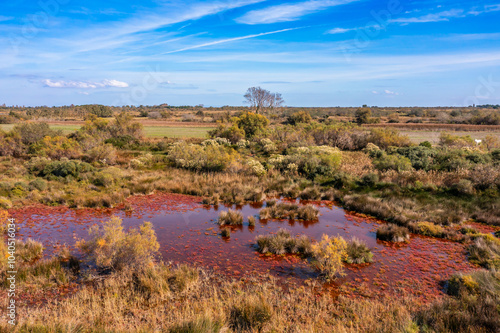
188, 233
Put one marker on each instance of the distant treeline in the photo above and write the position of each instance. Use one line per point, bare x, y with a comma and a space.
478, 115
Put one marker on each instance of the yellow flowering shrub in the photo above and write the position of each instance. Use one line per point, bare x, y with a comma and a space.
328, 256
112, 247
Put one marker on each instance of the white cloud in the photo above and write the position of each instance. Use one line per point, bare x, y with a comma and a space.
288, 12
388, 92
85, 84
5, 18
338, 31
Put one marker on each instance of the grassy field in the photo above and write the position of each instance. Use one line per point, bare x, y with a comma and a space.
169, 131
176, 132
418, 136
150, 131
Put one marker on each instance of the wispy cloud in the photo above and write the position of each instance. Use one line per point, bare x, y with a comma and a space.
113, 35
288, 12
228, 40
437, 17
85, 84
447, 15
335, 31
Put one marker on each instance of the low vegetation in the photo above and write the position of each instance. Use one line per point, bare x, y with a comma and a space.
485, 251
230, 217
284, 243
285, 210
328, 256
110, 247
358, 252
322, 154
393, 233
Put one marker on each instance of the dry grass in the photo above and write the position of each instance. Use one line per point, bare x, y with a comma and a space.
150, 300
283, 242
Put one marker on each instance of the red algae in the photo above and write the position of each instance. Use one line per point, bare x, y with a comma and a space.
188, 233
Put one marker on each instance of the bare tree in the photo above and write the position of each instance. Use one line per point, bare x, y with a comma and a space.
262, 99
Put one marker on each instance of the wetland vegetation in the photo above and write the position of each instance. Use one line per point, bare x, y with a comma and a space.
440, 199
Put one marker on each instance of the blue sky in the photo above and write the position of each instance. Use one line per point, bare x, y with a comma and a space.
316, 53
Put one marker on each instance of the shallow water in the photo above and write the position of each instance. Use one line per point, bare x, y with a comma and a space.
188, 233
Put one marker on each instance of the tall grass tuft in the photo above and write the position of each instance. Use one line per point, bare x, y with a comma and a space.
485, 251
231, 217
250, 314
283, 242
251, 221
358, 252
226, 233
289, 210
29, 250
393, 233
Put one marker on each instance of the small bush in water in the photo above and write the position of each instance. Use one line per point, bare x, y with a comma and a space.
358, 252
231, 217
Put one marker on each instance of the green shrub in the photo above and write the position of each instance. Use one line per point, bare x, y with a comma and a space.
308, 161
426, 144
44, 167
393, 233
32, 132
232, 133
251, 123
105, 154
451, 160
201, 158
358, 252
392, 162
38, 184
369, 179
5, 203
299, 117
110, 246
464, 186
421, 157
103, 178
55, 147
231, 217
101, 111
386, 137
